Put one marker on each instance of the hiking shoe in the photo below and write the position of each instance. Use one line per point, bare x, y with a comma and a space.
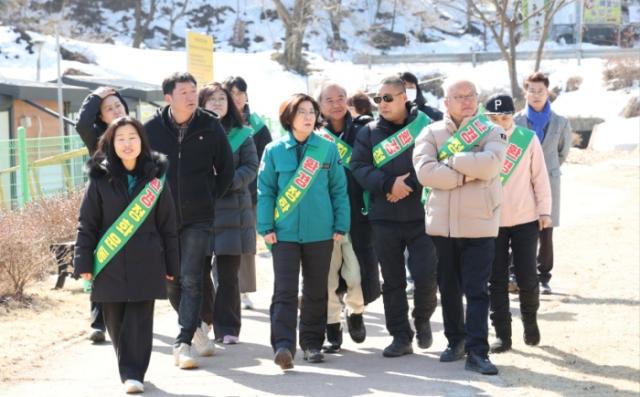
204, 346
423, 334
531, 330
481, 364
184, 357
355, 324
334, 338
132, 386
501, 345
96, 336
545, 289
283, 358
453, 353
397, 348
230, 340
313, 356
246, 301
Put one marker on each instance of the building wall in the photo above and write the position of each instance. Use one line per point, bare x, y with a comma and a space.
42, 124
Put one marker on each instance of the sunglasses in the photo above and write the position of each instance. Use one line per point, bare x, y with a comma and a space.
388, 98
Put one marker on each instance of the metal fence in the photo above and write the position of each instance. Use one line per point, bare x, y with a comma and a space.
34, 168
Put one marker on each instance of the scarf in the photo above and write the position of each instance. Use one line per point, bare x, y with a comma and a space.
539, 120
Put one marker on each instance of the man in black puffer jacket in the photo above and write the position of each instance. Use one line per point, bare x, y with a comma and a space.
397, 217
201, 169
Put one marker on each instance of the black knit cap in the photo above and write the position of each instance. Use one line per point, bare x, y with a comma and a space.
500, 104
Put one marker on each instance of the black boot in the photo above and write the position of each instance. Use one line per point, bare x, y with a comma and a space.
334, 338
480, 363
423, 334
397, 348
503, 338
531, 330
357, 331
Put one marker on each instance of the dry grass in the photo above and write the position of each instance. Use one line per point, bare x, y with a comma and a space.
25, 236
622, 73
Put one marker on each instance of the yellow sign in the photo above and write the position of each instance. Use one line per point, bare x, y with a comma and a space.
200, 57
602, 12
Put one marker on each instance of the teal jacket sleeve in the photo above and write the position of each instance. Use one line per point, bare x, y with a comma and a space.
339, 196
267, 192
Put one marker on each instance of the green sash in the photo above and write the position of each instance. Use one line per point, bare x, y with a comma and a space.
301, 182
126, 225
344, 150
256, 122
237, 136
518, 143
461, 141
392, 147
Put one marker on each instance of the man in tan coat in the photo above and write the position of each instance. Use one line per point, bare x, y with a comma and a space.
459, 159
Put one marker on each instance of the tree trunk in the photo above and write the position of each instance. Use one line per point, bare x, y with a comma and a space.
516, 91
169, 45
138, 36
548, 19
295, 28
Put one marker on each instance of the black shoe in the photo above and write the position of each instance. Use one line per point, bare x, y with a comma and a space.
501, 345
531, 330
423, 334
545, 289
357, 331
313, 356
96, 336
397, 348
283, 358
334, 338
480, 364
453, 353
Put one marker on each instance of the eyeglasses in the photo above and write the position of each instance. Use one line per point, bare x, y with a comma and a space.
536, 93
304, 113
217, 100
388, 98
463, 98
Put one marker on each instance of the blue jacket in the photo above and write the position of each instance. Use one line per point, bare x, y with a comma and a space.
324, 210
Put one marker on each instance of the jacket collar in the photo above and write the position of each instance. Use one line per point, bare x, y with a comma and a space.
290, 141
451, 125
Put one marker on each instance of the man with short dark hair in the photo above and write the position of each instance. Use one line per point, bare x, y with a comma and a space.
554, 133
381, 163
201, 169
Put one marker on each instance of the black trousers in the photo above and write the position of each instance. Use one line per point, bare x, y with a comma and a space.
390, 241
545, 255
369, 272
288, 257
97, 321
523, 241
208, 293
226, 306
464, 267
130, 327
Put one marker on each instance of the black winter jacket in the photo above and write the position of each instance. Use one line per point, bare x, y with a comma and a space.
137, 272
379, 181
89, 125
201, 165
261, 140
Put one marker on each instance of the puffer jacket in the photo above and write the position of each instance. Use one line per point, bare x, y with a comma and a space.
466, 190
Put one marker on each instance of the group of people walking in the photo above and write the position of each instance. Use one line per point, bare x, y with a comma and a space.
456, 197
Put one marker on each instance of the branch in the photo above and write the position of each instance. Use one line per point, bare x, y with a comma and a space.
282, 11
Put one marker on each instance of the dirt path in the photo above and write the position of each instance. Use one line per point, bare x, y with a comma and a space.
590, 326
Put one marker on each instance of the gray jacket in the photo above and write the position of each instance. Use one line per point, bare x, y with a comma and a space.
555, 146
235, 224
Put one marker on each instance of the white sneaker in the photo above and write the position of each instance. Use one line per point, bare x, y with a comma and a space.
246, 301
183, 357
204, 346
132, 386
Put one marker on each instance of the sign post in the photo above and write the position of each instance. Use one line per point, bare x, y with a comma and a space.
200, 57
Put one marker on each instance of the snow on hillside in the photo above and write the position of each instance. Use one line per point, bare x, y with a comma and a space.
269, 83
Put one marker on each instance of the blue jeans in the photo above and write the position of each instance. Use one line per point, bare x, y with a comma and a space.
185, 293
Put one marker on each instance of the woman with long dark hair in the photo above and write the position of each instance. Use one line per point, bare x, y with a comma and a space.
127, 242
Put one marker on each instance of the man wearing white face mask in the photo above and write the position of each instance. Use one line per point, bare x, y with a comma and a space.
415, 96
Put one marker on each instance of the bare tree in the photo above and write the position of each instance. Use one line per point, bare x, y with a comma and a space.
142, 19
295, 24
173, 10
334, 8
504, 19
551, 7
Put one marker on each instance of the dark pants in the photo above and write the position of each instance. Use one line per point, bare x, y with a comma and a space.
130, 327
208, 292
97, 320
226, 309
523, 241
464, 267
185, 293
545, 255
390, 241
287, 259
369, 272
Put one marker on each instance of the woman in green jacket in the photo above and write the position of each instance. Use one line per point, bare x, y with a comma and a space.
302, 207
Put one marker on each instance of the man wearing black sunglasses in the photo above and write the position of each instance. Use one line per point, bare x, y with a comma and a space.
381, 163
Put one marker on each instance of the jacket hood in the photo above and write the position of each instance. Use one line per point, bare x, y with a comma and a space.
98, 167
